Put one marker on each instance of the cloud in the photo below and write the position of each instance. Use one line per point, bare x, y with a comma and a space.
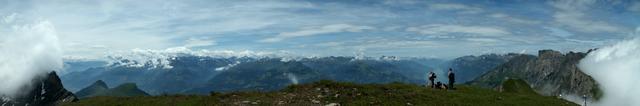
153, 24
92, 29
509, 18
399, 2
10, 18
292, 78
616, 69
635, 7
593, 42
199, 42
30, 49
489, 40
558, 32
573, 14
223, 68
460, 8
442, 29
318, 30
331, 44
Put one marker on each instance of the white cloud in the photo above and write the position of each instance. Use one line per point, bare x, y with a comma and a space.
442, 29
292, 78
399, 2
199, 42
592, 42
489, 40
460, 8
389, 44
330, 44
508, 18
558, 32
228, 66
573, 14
578, 21
616, 69
318, 30
153, 24
30, 49
392, 28
10, 18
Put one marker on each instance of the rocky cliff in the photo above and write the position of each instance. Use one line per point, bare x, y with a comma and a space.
44, 91
549, 73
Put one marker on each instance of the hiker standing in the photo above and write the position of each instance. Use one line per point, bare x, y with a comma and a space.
452, 78
432, 78
585, 99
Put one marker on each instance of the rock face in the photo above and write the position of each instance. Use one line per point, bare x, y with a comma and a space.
44, 91
550, 73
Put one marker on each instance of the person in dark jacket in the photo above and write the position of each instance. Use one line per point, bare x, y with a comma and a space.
432, 78
452, 78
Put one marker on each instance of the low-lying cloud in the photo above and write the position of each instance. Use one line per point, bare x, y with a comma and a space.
617, 69
29, 49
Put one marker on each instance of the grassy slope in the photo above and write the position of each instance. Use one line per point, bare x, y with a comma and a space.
127, 89
517, 86
325, 92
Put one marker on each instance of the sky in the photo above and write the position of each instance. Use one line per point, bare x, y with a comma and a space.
405, 28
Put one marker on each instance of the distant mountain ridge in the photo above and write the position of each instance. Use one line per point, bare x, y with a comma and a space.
200, 75
186, 72
100, 88
191, 72
468, 68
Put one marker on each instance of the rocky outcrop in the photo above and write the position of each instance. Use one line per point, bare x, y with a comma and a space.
549, 73
45, 91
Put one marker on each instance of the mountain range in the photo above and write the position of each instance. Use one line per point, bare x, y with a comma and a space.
550, 73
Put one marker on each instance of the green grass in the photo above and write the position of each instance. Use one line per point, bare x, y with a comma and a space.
325, 92
518, 86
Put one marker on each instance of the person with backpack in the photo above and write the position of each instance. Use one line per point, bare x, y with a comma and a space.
432, 78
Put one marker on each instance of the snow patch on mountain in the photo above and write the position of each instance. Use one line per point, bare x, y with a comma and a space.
153, 59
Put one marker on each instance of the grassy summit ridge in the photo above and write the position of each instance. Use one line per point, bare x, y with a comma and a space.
328, 92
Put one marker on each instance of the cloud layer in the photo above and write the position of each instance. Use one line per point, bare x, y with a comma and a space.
93, 29
28, 49
616, 69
